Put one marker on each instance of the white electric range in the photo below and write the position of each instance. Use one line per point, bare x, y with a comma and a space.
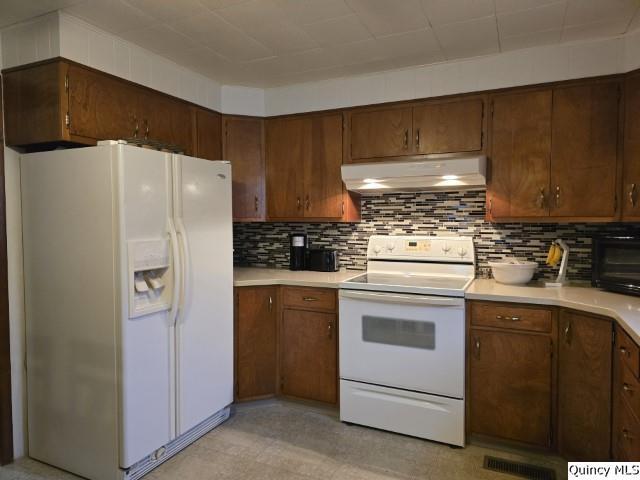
402, 337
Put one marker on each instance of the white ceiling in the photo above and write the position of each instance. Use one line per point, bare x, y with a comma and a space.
275, 42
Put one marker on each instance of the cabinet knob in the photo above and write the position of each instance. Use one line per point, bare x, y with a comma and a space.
632, 195
557, 195
146, 129
255, 203
541, 199
477, 345
330, 330
627, 388
137, 127
406, 139
270, 303
417, 138
310, 299
626, 435
298, 203
307, 203
625, 352
567, 332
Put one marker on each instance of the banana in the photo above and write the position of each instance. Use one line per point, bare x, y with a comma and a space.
551, 253
558, 256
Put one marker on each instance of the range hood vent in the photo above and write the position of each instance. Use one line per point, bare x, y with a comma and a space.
433, 172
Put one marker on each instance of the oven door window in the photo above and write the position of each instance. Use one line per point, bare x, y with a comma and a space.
620, 264
398, 332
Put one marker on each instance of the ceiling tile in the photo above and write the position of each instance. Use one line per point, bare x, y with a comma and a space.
357, 52
114, 16
635, 23
530, 40
223, 38
589, 11
441, 12
539, 19
262, 21
312, 11
387, 18
608, 28
15, 11
509, 6
160, 39
338, 30
420, 42
216, 4
468, 39
167, 10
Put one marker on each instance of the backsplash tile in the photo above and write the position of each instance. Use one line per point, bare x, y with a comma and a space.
428, 213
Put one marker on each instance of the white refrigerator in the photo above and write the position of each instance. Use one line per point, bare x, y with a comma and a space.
128, 277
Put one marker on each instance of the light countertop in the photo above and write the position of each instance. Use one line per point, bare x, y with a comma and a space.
253, 276
623, 308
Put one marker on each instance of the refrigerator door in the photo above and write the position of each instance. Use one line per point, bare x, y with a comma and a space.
204, 327
147, 397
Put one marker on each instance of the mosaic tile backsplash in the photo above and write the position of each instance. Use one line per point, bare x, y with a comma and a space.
426, 213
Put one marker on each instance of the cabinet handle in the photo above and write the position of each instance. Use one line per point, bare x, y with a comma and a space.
626, 435
307, 203
309, 299
477, 345
490, 206
557, 195
632, 195
146, 129
541, 198
567, 332
625, 352
513, 319
270, 303
406, 139
330, 330
255, 203
418, 138
298, 202
627, 388
137, 127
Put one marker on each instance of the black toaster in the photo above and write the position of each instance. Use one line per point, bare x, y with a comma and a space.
323, 260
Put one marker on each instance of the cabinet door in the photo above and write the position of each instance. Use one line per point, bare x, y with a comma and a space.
454, 126
244, 147
166, 120
255, 331
208, 139
510, 386
518, 183
584, 386
584, 150
287, 145
322, 176
381, 133
631, 176
308, 365
101, 107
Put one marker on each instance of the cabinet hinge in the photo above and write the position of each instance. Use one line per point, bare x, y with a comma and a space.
66, 83
67, 119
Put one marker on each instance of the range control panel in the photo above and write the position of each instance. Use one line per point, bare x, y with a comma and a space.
421, 248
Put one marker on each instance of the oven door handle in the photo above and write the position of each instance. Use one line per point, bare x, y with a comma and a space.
405, 299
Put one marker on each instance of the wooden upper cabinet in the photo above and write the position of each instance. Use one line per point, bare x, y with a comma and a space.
584, 387
207, 141
585, 150
631, 176
446, 127
243, 146
256, 316
35, 105
166, 120
287, 145
380, 133
519, 172
510, 375
322, 176
101, 107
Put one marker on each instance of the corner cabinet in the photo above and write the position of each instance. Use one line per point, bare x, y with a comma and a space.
554, 153
631, 176
413, 129
625, 436
303, 177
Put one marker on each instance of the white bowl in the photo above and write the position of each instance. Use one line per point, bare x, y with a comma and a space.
512, 271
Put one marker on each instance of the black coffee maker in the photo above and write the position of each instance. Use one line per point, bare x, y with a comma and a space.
297, 251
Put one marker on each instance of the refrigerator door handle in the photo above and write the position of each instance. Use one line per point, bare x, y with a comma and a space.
186, 262
177, 273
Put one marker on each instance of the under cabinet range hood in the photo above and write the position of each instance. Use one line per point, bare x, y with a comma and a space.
433, 172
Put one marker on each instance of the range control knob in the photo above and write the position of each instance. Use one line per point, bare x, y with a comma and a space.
390, 247
462, 251
377, 249
446, 248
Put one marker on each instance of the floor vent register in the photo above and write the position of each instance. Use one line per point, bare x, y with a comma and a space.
523, 470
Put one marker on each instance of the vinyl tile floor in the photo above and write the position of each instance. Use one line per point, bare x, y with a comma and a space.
280, 440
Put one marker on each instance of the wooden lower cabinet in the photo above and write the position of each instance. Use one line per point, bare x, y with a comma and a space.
584, 386
511, 387
286, 343
625, 434
256, 315
308, 359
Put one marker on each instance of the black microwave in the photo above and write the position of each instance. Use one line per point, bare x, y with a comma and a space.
616, 264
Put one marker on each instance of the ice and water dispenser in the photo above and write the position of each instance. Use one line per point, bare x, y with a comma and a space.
150, 287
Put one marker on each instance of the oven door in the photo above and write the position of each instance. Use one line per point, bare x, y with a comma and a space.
616, 264
413, 342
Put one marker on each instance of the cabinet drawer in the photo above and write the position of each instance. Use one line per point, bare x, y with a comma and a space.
511, 316
629, 389
627, 435
310, 298
628, 351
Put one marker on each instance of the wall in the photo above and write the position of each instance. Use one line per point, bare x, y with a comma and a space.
460, 213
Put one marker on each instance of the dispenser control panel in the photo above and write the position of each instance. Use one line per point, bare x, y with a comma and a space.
150, 276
